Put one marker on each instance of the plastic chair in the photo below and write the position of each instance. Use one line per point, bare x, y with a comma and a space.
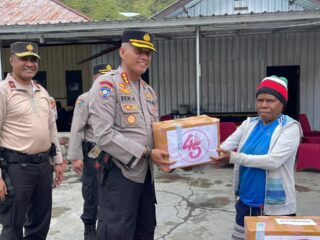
166, 117
305, 125
226, 129
308, 156
311, 139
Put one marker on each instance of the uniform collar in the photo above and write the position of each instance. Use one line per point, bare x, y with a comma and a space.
14, 84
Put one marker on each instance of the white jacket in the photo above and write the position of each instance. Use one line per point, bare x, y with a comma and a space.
278, 162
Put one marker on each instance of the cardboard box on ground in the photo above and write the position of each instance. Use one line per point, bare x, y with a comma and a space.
282, 228
189, 141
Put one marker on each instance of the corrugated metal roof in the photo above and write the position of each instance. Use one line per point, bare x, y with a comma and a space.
195, 8
307, 4
23, 12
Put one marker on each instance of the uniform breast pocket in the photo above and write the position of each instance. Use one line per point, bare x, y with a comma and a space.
130, 115
41, 106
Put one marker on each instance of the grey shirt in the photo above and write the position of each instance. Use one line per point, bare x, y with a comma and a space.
123, 113
81, 128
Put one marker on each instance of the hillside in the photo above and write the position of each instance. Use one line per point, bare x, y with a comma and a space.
109, 9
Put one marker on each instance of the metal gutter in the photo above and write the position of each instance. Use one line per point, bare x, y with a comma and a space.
154, 26
198, 69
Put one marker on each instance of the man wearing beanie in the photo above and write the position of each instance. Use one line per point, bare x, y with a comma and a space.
263, 151
123, 107
80, 144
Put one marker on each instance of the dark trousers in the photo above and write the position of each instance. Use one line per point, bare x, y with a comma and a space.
32, 203
89, 192
126, 208
245, 210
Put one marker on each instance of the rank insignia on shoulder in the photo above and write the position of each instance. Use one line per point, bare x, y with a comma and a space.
12, 84
105, 89
125, 78
131, 119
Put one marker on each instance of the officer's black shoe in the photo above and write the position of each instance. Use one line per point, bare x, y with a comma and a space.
90, 232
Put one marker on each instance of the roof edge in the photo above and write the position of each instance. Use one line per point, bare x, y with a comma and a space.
151, 23
72, 10
170, 9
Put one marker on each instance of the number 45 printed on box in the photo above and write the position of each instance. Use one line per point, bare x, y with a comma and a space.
192, 146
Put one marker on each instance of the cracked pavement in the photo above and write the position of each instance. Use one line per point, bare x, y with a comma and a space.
195, 204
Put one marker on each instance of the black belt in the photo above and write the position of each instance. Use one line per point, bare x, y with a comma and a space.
12, 156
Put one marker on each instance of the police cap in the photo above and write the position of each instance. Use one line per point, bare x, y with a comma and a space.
24, 49
138, 39
102, 68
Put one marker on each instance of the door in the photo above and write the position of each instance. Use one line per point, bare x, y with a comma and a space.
74, 86
41, 77
292, 73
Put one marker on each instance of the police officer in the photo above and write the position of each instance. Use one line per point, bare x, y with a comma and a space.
81, 138
123, 107
28, 135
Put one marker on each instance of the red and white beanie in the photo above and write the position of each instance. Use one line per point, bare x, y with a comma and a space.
276, 86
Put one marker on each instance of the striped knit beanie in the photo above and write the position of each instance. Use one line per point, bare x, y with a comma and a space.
276, 86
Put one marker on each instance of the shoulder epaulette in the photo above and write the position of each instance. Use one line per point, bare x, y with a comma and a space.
11, 84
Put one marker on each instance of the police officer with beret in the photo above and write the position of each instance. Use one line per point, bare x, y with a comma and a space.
123, 107
80, 144
28, 137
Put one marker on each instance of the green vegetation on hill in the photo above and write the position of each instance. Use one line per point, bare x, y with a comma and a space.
109, 9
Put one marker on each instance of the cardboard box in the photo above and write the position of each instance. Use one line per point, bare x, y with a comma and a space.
282, 228
189, 141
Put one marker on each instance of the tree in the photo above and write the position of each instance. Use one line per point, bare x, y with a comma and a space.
109, 9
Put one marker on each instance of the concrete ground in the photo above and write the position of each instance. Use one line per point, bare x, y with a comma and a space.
191, 205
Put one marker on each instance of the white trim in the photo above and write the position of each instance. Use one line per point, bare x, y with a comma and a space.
282, 82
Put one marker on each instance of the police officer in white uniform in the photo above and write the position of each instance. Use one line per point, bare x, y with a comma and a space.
28, 136
123, 107
80, 144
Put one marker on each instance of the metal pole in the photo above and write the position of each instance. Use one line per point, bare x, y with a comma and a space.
1, 73
198, 70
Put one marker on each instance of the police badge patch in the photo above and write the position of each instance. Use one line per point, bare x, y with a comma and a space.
105, 89
52, 103
80, 102
131, 119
